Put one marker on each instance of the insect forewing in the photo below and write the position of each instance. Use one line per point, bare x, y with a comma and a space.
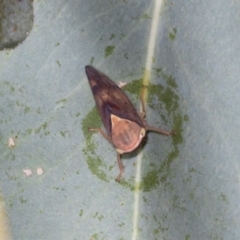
110, 99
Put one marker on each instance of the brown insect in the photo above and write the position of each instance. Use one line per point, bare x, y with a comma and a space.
125, 127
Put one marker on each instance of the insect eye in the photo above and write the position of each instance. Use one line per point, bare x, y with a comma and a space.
142, 133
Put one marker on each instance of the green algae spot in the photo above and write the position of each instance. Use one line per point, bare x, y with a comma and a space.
169, 110
29, 131
145, 16
187, 237
77, 114
62, 133
133, 87
171, 81
130, 184
22, 200
97, 167
95, 164
27, 109
112, 36
94, 237
150, 180
63, 100
8, 84
224, 198
42, 127
178, 128
92, 120
58, 63
109, 50
172, 34
81, 213
186, 117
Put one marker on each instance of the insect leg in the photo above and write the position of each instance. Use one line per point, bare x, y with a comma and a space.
143, 115
121, 167
158, 130
101, 132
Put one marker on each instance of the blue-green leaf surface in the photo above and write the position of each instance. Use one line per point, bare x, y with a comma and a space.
180, 187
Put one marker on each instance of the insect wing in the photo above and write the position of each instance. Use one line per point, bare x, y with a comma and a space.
110, 99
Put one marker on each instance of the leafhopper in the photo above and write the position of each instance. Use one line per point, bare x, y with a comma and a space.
125, 127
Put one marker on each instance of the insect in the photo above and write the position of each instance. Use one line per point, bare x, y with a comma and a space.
125, 127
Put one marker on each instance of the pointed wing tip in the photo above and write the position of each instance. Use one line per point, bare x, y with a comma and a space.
90, 71
88, 68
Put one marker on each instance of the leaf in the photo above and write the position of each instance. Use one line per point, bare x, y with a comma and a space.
180, 187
